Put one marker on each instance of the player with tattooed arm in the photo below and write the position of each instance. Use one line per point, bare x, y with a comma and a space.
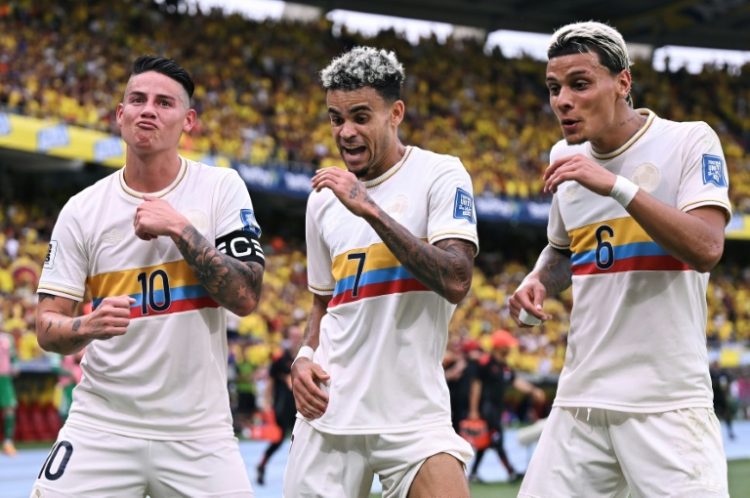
391, 241
162, 246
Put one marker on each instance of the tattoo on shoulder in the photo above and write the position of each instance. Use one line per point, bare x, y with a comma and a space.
44, 295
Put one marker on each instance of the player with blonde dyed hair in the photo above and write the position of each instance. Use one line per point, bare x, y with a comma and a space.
637, 221
391, 241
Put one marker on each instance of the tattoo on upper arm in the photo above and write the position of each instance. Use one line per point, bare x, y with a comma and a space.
43, 296
76, 324
445, 268
219, 273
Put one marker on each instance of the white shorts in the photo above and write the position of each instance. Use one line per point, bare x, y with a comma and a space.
324, 465
90, 463
597, 453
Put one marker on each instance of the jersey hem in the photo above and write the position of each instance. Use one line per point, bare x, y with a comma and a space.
324, 291
60, 292
708, 202
634, 407
455, 235
379, 429
156, 436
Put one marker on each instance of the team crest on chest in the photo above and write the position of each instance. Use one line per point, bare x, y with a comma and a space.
647, 176
398, 206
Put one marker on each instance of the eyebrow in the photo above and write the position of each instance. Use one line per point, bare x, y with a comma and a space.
574, 74
158, 95
353, 110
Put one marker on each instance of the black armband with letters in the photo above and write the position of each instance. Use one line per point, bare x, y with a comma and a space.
241, 245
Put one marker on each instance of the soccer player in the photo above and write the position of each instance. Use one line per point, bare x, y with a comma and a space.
637, 221
391, 241
487, 397
162, 245
279, 397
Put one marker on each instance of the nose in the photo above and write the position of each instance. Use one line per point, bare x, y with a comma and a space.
564, 99
348, 130
149, 109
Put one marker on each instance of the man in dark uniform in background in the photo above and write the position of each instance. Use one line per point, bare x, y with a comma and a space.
279, 395
493, 376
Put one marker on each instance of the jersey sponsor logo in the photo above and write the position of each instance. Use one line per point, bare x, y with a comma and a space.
463, 205
713, 170
249, 223
49, 261
242, 246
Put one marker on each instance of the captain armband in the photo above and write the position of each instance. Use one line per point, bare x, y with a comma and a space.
241, 245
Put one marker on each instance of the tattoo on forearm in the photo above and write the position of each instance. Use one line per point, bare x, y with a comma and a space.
445, 268
554, 270
229, 281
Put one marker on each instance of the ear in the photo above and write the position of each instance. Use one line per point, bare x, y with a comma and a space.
397, 112
118, 114
191, 117
624, 83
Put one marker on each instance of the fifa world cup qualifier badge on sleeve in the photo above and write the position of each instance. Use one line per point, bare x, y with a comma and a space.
713, 170
49, 260
463, 205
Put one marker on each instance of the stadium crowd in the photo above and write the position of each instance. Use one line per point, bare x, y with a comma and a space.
259, 103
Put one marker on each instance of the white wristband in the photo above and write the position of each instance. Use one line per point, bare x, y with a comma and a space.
304, 352
623, 191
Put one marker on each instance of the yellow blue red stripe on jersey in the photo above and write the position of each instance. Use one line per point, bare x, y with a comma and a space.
370, 272
618, 245
146, 285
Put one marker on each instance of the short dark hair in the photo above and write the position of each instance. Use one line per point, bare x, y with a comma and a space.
167, 67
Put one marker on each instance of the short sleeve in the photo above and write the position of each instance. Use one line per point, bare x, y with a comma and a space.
235, 211
557, 235
319, 271
66, 266
704, 181
452, 214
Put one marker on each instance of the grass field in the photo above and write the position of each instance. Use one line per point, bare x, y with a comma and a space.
739, 484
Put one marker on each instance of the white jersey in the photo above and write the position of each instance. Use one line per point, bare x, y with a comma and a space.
384, 334
637, 339
165, 378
